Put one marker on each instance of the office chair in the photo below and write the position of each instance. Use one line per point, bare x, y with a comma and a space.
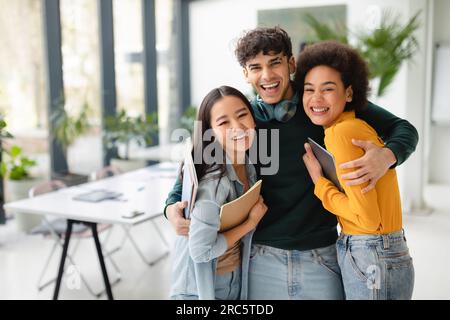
56, 229
105, 172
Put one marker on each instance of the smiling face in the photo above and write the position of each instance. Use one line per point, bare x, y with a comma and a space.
269, 75
233, 124
324, 95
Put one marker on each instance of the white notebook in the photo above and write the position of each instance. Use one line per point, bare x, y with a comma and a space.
190, 182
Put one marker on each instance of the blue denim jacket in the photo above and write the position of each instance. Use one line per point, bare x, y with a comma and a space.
195, 257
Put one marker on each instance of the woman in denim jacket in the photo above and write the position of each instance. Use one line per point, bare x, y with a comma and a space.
208, 264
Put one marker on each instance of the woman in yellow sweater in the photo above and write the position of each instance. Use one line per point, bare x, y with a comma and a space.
372, 250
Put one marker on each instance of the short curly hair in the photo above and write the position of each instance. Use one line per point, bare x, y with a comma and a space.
344, 59
267, 40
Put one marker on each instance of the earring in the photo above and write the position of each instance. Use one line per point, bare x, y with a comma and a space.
292, 76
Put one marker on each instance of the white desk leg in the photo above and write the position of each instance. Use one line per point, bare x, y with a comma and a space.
70, 257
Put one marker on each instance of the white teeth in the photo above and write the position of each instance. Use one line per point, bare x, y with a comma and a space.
268, 86
319, 109
242, 136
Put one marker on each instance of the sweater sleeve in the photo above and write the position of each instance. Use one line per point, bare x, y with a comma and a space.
399, 135
354, 206
174, 194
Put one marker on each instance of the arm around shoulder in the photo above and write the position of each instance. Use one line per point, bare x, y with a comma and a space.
399, 135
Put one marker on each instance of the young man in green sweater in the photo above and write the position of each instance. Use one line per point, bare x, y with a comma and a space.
293, 252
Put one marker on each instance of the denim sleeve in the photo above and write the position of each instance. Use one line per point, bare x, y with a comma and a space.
174, 194
400, 136
205, 241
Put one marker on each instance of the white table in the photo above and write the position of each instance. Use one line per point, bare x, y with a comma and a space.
142, 190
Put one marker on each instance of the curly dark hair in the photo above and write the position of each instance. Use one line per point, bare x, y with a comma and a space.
267, 40
344, 59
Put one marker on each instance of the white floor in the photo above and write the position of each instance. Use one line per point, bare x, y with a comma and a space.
428, 240
22, 257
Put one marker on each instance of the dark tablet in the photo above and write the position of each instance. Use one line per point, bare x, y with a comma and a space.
327, 162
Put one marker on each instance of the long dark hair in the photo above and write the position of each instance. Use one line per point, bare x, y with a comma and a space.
204, 124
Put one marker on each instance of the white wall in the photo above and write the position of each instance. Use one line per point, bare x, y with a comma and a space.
440, 134
214, 28
437, 153
215, 25
417, 110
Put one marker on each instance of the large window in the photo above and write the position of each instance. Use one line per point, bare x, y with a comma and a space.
128, 56
166, 44
22, 77
23, 100
81, 71
128, 38
80, 53
23, 96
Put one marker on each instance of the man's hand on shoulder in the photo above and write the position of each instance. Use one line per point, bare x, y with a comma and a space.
374, 164
176, 218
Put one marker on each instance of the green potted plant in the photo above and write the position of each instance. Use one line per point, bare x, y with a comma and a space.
188, 119
15, 168
67, 129
384, 48
122, 130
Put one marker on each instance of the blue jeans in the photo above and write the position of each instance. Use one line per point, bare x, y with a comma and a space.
376, 267
291, 274
226, 286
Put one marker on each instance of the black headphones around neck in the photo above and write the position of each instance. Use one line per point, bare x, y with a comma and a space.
282, 111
